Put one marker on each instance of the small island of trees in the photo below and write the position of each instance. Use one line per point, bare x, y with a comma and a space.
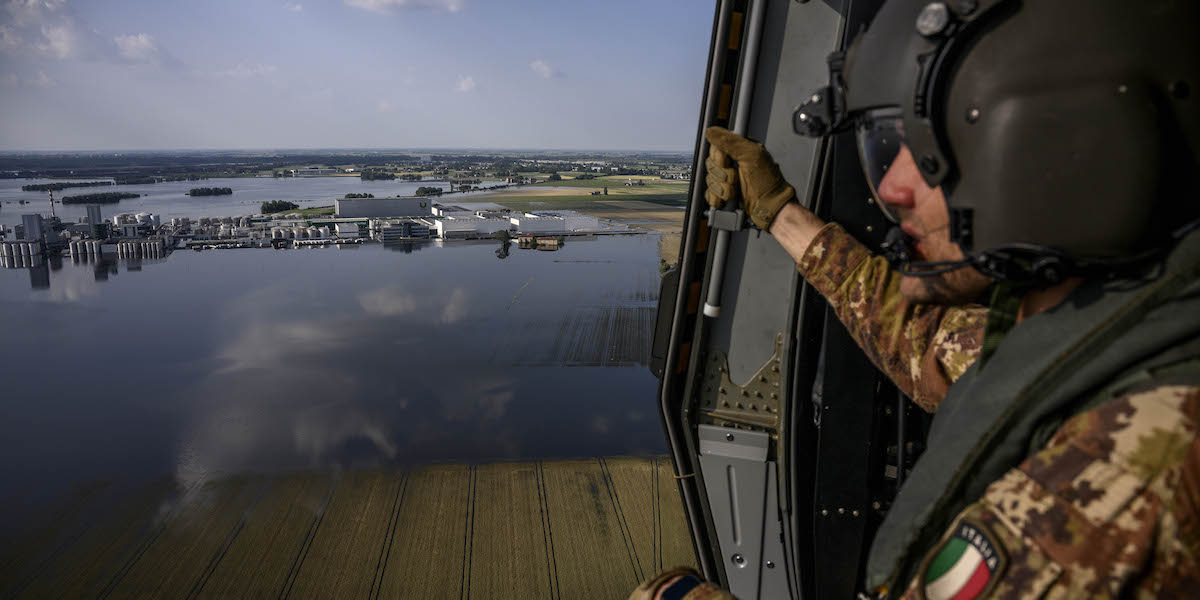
62, 185
275, 206
103, 198
376, 175
426, 190
210, 191
360, 195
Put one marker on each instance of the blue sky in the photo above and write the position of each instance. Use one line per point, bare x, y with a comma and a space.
159, 74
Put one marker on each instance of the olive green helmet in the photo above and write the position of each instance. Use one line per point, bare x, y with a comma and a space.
1064, 133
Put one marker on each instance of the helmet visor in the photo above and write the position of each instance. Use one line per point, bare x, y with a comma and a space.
880, 134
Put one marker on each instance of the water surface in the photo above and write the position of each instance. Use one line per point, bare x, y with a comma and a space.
210, 363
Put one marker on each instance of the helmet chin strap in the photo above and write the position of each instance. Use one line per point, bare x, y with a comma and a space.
1024, 264
897, 249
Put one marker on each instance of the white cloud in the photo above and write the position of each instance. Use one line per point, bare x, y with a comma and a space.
387, 6
543, 69
137, 48
10, 40
24, 12
465, 84
42, 80
58, 41
384, 107
243, 72
293, 7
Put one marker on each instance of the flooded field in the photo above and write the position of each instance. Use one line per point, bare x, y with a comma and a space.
208, 364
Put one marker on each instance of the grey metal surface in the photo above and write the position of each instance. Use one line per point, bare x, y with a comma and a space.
795, 40
733, 443
774, 575
746, 77
742, 492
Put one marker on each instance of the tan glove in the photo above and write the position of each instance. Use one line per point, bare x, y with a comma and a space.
763, 190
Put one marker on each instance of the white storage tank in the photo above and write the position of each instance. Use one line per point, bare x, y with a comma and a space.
299, 233
324, 231
314, 233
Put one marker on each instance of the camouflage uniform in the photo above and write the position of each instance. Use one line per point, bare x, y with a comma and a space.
1110, 506
923, 348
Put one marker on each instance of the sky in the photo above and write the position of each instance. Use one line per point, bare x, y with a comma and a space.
272, 74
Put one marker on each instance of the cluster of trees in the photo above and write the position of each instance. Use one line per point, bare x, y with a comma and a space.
210, 191
585, 176
274, 206
374, 175
104, 198
360, 195
554, 177
62, 185
147, 179
426, 190
411, 177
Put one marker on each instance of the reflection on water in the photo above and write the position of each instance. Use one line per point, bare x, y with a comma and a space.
225, 361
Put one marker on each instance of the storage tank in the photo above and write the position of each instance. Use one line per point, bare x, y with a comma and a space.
156, 220
299, 233
314, 233
324, 231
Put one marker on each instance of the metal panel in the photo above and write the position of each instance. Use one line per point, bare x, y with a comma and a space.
743, 493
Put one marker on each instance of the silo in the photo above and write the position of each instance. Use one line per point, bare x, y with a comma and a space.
314, 233
299, 233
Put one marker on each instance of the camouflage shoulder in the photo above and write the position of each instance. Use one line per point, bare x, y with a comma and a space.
1110, 506
959, 339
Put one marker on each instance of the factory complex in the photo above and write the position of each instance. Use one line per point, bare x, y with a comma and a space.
355, 220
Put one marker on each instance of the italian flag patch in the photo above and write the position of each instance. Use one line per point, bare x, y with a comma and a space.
965, 565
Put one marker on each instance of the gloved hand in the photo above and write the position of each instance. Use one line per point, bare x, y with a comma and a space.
763, 190
653, 586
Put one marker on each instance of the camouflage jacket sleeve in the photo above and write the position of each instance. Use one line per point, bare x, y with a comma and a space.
1111, 507
923, 348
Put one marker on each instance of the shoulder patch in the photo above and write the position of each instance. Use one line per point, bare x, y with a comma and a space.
964, 566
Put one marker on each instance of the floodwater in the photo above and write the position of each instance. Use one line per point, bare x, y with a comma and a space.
170, 199
225, 361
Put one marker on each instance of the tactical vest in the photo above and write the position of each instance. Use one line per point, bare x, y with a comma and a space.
1106, 339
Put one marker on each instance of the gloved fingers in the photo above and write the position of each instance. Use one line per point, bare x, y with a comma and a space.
718, 192
723, 174
737, 147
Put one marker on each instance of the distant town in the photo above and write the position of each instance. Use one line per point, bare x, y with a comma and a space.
535, 200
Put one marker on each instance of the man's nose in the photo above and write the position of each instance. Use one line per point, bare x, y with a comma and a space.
897, 187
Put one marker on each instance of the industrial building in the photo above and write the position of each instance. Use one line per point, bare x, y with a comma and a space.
403, 230
531, 223
380, 207
470, 226
573, 221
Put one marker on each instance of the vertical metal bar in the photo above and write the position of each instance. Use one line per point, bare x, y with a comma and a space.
900, 435
746, 80
674, 423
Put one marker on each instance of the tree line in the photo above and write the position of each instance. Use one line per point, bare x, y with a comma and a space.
61, 185
102, 198
274, 206
374, 175
360, 195
210, 191
426, 190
